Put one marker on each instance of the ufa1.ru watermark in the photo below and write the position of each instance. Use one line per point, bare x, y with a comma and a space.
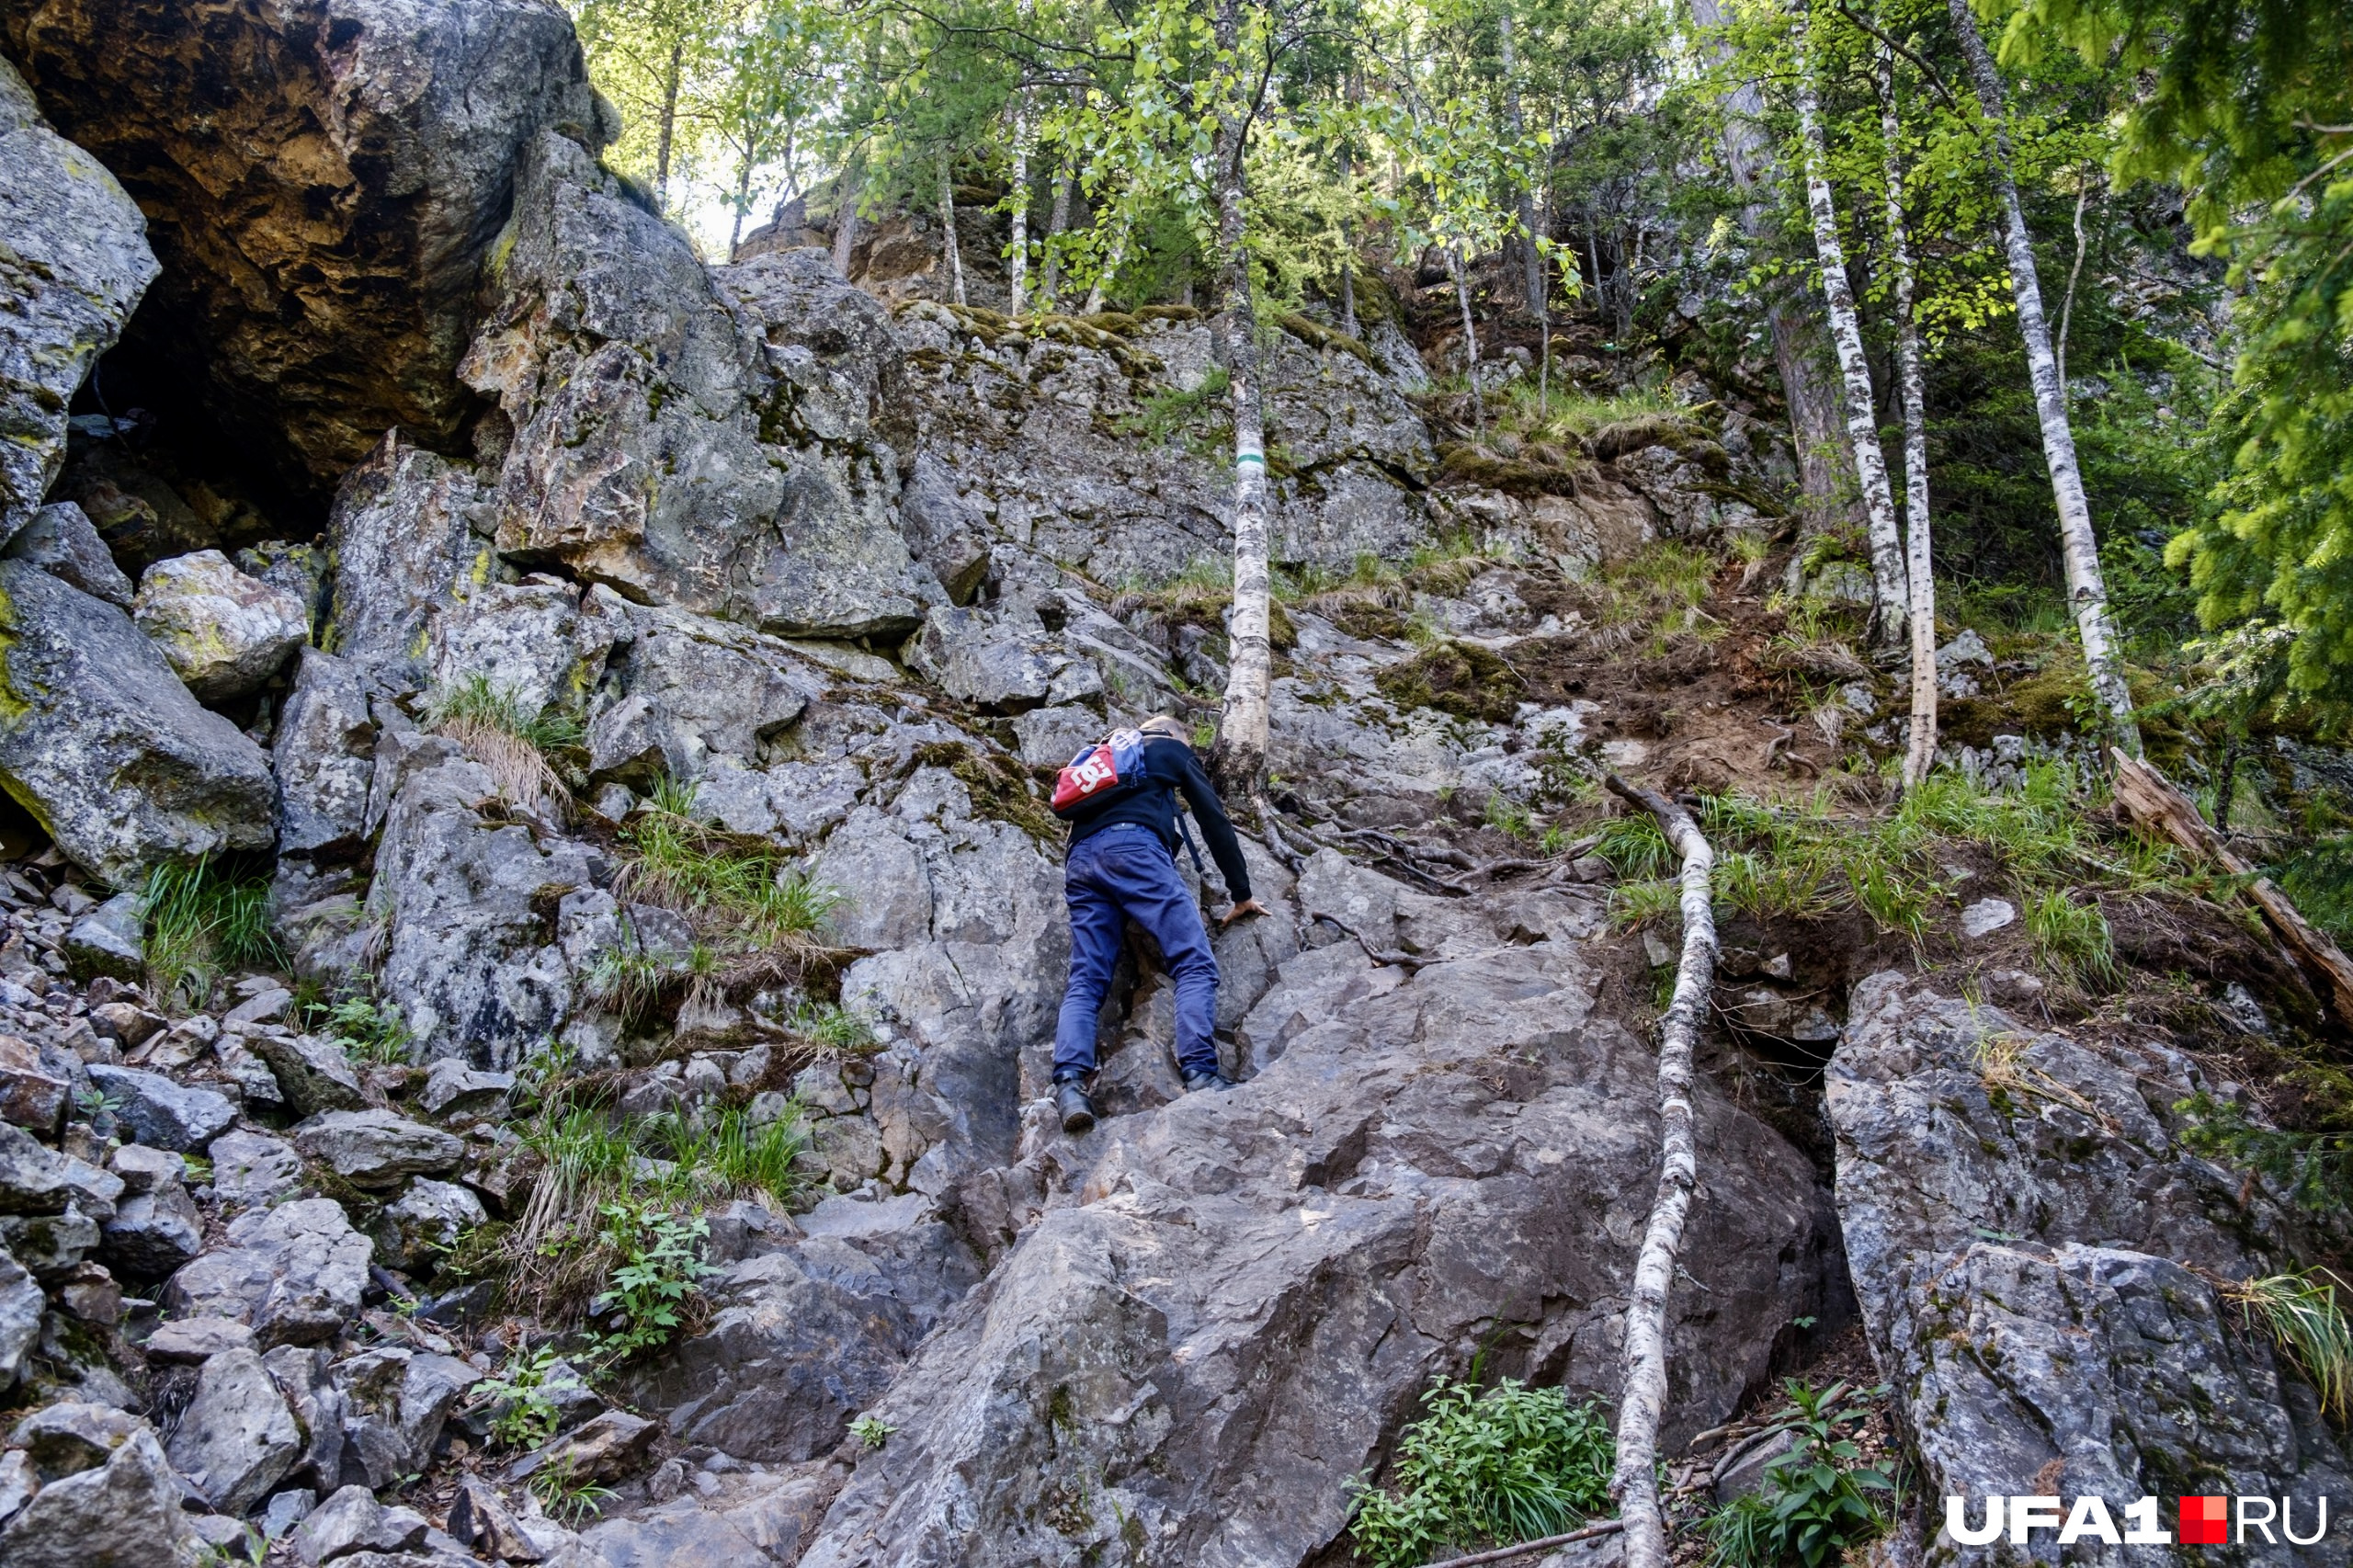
2197, 1521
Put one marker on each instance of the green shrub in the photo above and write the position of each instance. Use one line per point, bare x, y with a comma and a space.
1513, 1463
660, 1266
1816, 1499
521, 1399
368, 1030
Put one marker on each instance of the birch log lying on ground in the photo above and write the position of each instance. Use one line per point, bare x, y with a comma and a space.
1643, 1397
2149, 799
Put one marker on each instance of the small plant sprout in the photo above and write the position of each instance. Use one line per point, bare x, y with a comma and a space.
872, 1431
568, 1497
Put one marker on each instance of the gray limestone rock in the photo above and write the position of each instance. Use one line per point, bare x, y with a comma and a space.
101, 738
691, 693
16, 1482
143, 1169
109, 940
33, 1179
807, 1336
76, 266
312, 326
305, 1378
193, 1341
162, 1113
236, 1438
323, 754
946, 531
525, 641
124, 1513
352, 1521
223, 632
30, 1095
295, 1273
610, 1447
313, 1074
1430, 1154
21, 1303
395, 1402
424, 1221
152, 1233
402, 537
613, 353
2033, 1256
452, 1089
988, 660
377, 1148
253, 1168
52, 1245
60, 541
470, 960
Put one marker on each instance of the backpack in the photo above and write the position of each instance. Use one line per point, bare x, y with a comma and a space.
1109, 768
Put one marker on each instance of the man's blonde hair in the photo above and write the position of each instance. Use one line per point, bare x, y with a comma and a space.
1162, 724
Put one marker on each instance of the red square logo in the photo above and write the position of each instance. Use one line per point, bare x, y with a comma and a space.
2205, 1521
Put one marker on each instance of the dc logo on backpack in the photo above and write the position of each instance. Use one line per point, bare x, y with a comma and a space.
1098, 770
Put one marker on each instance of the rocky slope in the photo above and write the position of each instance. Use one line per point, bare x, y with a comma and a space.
827, 582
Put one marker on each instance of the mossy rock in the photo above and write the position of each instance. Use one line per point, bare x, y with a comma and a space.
1461, 679
1316, 334
1459, 463
1165, 313
1620, 437
1001, 788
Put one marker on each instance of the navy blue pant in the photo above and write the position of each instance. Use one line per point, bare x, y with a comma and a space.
1125, 872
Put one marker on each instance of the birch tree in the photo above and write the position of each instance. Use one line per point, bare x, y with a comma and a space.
1888, 593
1921, 754
2078, 547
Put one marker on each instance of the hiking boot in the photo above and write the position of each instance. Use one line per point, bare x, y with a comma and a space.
1076, 1110
1197, 1082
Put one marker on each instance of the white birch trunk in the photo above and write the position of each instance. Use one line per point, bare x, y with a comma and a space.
1846, 334
1111, 260
1057, 219
2078, 547
1018, 251
1643, 1399
1531, 281
1247, 726
1470, 331
1921, 754
948, 235
1823, 468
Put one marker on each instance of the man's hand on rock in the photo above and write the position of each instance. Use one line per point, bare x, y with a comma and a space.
1248, 906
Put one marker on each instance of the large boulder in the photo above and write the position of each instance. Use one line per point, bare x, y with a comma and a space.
123, 1512
236, 1438
652, 449
102, 742
223, 632
473, 962
325, 179
294, 1273
401, 539
377, 1148
2036, 1261
74, 267
60, 541
1230, 1304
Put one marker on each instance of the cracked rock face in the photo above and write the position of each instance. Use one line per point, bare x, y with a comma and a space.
1229, 1301
322, 179
656, 450
104, 743
223, 632
73, 268
2035, 1260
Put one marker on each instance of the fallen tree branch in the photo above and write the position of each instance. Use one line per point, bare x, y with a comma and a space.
1273, 836
1411, 963
1503, 1553
2150, 799
1643, 1399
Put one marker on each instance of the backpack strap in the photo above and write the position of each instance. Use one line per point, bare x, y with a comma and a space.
1184, 828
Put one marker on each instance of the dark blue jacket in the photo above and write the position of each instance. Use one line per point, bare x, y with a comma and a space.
1169, 766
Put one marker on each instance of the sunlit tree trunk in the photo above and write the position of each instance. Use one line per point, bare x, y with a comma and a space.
1461, 273
2078, 547
948, 233
1800, 357
1057, 221
1846, 334
1921, 754
845, 216
671, 80
742, 201
1018, 254
1243, 735
1532, 278
1112, 258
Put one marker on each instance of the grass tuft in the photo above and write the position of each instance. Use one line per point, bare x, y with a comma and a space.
2300, 1314
203, 918
510, 740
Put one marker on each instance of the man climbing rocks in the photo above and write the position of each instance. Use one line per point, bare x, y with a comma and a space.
1122, 866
